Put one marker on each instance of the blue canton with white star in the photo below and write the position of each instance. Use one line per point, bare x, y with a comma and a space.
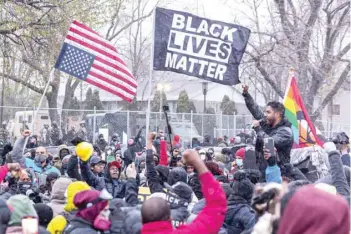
74, 61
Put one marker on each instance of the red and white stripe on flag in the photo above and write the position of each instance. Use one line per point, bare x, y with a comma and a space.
108, 71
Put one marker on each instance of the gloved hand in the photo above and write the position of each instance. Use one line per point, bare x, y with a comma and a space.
329, 147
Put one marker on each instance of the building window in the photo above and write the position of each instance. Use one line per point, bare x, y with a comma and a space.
336, 109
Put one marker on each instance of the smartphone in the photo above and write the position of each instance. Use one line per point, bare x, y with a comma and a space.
269, 144
30, 225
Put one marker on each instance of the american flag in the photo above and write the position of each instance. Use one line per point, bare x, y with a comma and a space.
89, 57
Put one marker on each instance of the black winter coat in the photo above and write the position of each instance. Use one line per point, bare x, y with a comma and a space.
281, 133
240, 216
79, 226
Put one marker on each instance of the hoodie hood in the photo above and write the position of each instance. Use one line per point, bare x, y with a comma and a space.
59, 189
326, 213
22, 206
63, 147
5, 216
177, 174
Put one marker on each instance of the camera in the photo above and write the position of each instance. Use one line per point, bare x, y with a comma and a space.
165, 108
341, 138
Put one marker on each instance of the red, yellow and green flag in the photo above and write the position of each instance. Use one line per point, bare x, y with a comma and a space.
301, 125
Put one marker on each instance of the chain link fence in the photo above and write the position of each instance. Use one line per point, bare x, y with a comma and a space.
128, 123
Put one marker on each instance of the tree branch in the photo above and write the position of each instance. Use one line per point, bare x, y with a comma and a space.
287, 26
23, 82
128, 25
332, 92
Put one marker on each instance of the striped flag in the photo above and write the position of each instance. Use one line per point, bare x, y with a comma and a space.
301, 124
89, 57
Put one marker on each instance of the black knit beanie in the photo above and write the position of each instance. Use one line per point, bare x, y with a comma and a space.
177, 174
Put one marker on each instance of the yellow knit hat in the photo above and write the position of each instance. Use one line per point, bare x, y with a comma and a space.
57, 225
71, 191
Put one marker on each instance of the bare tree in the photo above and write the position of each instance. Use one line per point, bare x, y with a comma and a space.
311, 36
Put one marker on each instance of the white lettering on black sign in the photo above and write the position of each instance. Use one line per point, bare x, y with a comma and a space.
199, 47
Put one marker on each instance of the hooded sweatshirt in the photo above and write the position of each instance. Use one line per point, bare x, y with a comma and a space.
326, 213
58, 199
5, 216
22, 206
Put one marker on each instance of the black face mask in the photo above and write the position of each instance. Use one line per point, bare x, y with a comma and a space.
40, 158
22, 187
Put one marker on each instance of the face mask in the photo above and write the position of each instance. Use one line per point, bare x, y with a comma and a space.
40, 158
102, 223
24, 186
239, 162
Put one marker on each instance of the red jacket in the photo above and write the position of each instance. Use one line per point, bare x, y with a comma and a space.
209, 220
3, 172
163, 153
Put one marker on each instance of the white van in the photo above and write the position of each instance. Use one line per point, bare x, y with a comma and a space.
20, 116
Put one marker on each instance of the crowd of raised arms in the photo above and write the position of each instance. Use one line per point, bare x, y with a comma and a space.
159, 186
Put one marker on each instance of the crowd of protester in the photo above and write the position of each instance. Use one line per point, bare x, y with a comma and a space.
160, 187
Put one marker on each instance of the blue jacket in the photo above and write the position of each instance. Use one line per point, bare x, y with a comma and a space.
17, 156
29, 163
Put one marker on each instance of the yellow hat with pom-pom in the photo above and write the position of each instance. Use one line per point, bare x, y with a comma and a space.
71, 191
57, 225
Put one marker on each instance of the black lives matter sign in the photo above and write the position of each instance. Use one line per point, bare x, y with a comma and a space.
208, 49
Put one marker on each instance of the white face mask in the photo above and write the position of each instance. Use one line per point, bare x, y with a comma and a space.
239, 162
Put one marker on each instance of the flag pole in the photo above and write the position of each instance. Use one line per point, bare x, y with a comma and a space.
39, 105
148, 113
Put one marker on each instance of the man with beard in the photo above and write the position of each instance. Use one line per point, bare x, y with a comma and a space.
271, 123
40, 164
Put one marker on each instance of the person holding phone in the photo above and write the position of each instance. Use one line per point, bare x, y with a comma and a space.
271, 123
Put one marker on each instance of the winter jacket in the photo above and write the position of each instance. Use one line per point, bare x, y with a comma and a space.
194, 183
3, 172
17, 156
163, 153
281, 133
93, 180
102, 144
123, 220
338, 175
208, 221
29, 163
72, 168
58, 199
240, 216
153, 179
345, 158
80, 226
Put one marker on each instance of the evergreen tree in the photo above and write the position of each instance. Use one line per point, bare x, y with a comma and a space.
96, 100
88, 99
228, 106
183, 103
92, 99
155, 104
74, 105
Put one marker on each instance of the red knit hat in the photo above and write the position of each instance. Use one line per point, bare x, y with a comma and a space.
114, 163
240, 153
